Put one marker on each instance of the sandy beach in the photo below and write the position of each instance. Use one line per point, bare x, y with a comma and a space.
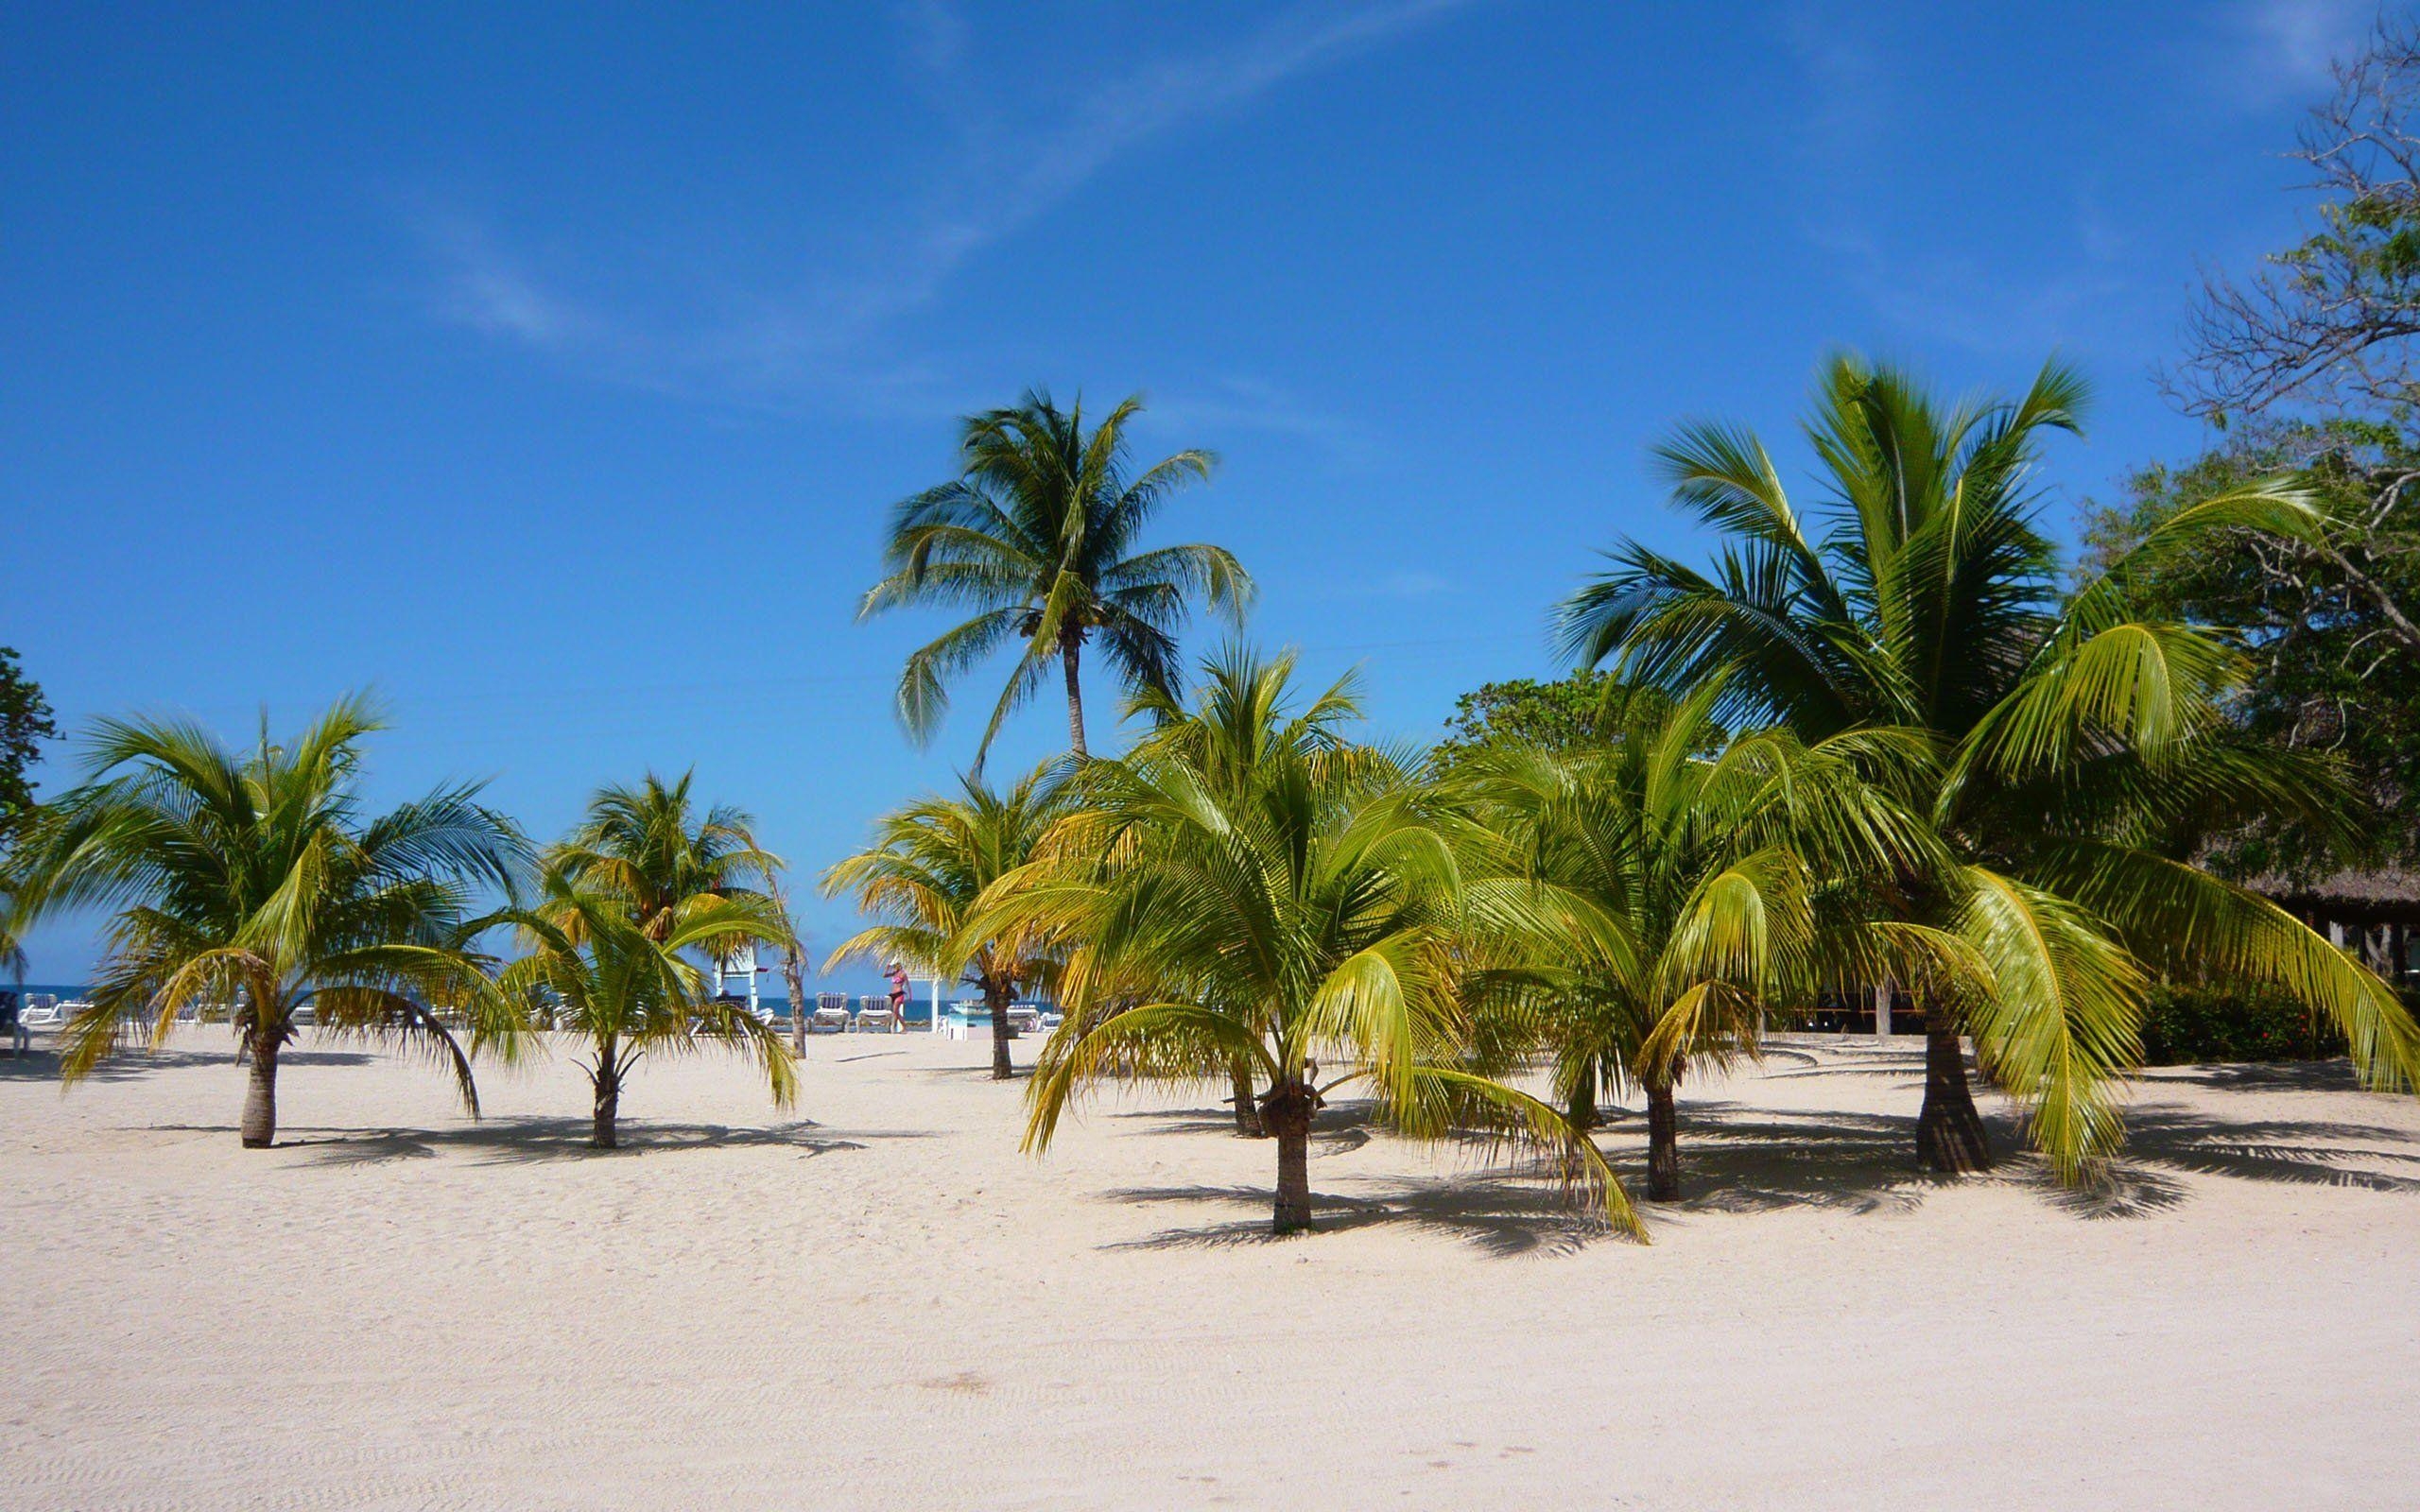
878, 1302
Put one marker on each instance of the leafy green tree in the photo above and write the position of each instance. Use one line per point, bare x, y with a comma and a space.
628, 993
2082, 749
1292, 911
1523, 711
1038, 535
253, 879
1687, 893
25, 724
926, 874
2329, 669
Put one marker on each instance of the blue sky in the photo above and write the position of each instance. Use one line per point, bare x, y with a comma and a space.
549, 371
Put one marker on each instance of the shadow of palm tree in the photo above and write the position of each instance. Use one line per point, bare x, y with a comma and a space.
520, 1140
134, 1062
1741, 1160
2275, 1076
1746, 1160
1500, 1219
1338, 1128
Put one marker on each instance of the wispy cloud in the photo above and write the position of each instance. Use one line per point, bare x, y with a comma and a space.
1235, 405
1957, 299
2277, 50
938, 34
488, 290
1407, 585
821, 326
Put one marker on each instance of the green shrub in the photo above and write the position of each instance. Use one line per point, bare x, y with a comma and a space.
2232, 1022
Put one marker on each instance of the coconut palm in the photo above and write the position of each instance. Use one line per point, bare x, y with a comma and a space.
254, 878
1038, 535
1691, 886
2079, 749
1291, 914
628, 993
652, 847
924, 874
1239, 719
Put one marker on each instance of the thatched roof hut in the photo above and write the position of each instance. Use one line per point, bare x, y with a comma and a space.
2357, 900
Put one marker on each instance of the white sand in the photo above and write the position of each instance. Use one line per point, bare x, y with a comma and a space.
890, 1307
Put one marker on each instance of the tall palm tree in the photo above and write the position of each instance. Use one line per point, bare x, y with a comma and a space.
2077, 748
628, 993
1038, 535
1293, 914
652, 847
927, 872
1691, 885
254, 878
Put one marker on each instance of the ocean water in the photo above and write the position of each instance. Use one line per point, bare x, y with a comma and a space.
919, 1009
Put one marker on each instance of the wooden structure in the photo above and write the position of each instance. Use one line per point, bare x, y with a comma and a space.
2376, 914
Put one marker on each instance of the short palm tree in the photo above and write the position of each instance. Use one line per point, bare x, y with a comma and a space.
628, 993
2079, 749
1294, 913
1239, 719
924, 874
653, 847
254, 879
1038, 535
1692, 885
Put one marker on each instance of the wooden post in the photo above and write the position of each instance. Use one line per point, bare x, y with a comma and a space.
1882, 1011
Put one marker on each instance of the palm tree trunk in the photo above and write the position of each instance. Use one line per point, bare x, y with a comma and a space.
1069, 654
1580, 1112
1950, 1138
1663, 1143
1248, 1125
998, 1000
603, 1136
1287, 1112
794, 977
602, 1133
259, 1128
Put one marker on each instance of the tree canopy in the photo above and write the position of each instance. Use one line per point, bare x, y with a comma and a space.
25, 724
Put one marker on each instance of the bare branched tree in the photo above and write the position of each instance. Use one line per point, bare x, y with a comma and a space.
2327, 325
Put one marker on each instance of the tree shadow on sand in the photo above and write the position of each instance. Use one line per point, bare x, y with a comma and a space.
525, 1141
1338, 1128
1747, 1161
1499, 1217
133, 1063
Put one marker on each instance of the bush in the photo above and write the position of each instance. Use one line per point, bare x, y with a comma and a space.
2185, 1024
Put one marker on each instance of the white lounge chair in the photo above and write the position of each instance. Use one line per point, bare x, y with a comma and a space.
876, 1017
830, 1017
42, 1012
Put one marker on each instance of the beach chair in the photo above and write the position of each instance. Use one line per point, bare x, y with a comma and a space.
40, 1012
875, 1015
